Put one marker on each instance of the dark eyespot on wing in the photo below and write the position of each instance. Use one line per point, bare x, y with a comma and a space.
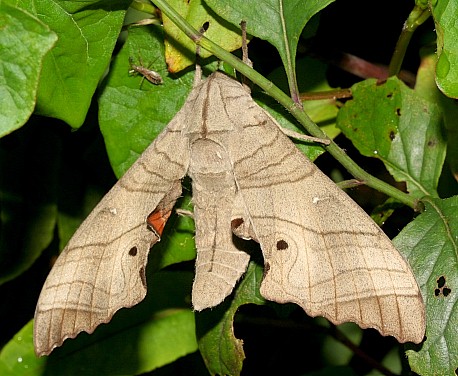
282, 245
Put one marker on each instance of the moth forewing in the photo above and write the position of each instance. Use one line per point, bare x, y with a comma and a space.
321, 250
102, 268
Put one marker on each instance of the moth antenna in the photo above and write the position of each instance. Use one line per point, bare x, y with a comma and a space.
140, 60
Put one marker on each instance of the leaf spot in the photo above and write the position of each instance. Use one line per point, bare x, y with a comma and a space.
432, 143
133, 251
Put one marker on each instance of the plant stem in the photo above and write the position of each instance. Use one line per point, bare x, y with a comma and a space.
295, 109
328, 94
415, 19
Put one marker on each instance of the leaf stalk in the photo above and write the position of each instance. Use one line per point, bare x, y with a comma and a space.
416, 17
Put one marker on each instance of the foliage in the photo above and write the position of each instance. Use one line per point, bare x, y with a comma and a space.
66, 64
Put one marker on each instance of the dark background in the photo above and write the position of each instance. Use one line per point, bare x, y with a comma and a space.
272, 345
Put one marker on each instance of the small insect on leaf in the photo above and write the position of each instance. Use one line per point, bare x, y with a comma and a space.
152, 76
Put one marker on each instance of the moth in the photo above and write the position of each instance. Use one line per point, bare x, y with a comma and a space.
152, 76
321, 250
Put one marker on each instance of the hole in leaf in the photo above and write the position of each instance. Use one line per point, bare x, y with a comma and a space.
392, 135
441, 282
398, 111
205, 26
442, 289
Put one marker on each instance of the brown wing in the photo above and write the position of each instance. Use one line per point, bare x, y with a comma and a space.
102, 268
321, 250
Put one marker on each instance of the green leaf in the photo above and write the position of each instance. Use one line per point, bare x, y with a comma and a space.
131, 116
180, 50
444, 14
392, 123
278, 22
24, 42
430, 243
222, 352
152, 334
87, 33
18, 357
427, 88
382, 212
28, 197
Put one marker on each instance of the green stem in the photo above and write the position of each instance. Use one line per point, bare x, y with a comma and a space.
295, 109
415, 19
328, 94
